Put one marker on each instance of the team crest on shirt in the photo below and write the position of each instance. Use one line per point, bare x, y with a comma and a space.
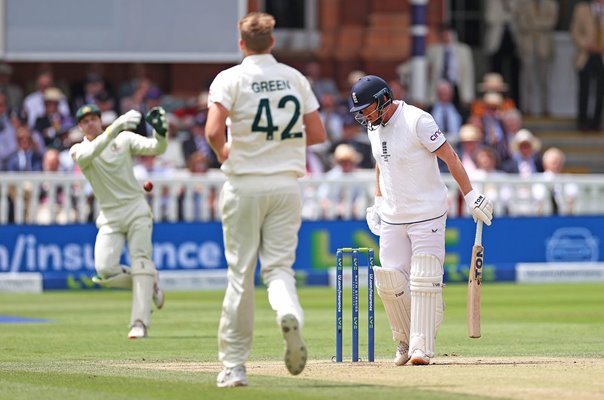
435, 135
385, 155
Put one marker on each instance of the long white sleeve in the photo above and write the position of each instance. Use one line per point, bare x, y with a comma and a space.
84, 152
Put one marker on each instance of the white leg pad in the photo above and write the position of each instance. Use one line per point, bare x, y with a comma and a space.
119, 280
426, 298
143, 278
440, 311
393, 289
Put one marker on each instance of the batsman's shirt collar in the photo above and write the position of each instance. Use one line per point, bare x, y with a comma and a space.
259, 59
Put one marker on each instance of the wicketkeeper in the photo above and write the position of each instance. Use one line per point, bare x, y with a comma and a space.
105, 158
410, 213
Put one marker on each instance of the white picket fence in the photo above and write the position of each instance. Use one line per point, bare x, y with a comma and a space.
54, 198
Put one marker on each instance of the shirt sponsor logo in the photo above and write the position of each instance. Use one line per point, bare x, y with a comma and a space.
385, 156
436, 135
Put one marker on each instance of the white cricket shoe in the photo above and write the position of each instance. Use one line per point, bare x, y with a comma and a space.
418, 357
232, 377
138, 330
402, 354
295, 350
158, 296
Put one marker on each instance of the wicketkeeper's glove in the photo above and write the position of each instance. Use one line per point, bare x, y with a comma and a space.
156, 117
480, 206
125, 122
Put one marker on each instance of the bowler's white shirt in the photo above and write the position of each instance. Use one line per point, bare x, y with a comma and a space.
410, 181
252, 91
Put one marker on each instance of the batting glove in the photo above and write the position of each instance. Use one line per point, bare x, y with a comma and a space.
156, 117
125, 122
374, 221
480, 207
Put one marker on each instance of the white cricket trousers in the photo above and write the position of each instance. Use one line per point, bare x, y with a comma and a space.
133, 223
261, 217
399, 242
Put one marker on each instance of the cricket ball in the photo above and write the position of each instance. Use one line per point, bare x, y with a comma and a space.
148, 186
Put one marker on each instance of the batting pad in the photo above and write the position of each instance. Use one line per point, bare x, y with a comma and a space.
426, 297
393, 289
143, 279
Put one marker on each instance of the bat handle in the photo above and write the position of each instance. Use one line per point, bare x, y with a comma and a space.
478, 237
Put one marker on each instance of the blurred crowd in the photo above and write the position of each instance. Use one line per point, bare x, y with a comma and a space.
42, 123
482, 117
484, 125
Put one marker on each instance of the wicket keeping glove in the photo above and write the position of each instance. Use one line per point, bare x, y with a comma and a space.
156, 117
374, 221
480, 206
125, 122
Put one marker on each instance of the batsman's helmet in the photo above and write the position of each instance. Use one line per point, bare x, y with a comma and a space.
368, 90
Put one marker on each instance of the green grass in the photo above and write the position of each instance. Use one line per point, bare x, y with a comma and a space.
75, 355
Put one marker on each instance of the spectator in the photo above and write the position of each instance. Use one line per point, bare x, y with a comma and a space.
536, 22
136, 99
352, 135
197, 143
137, 75
320, 85
341, 201
332, 119
18, 117
34, 102
512, 123
492, 82
560, 198
203, 198
526, 160
52, 125
470, 139
93, 86
173, 157
501, 41
13, 93
452, 61
587, 31
400, 89
53, 207
27, 157
493, 130
105, 102
197, 163
446, 114
486, 163
94, 72
8, 136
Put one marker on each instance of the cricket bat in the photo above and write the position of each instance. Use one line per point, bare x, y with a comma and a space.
475, 284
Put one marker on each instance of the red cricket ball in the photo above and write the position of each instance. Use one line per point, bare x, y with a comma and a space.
148, 186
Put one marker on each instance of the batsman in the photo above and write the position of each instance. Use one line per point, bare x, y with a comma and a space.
105, 158
409, 213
